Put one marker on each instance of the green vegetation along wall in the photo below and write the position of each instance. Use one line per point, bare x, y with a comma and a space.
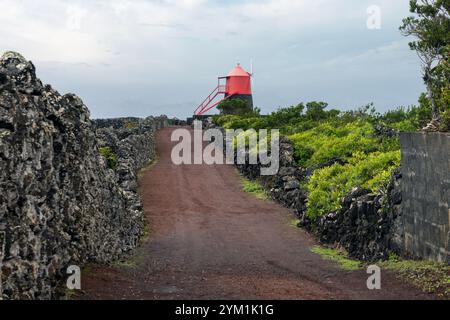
339, 150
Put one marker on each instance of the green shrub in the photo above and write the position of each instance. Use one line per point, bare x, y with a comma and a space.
406, 125
327, 186
110, 157
242, 123
330, 140
221, 120
285, 116
445, 120
318, 135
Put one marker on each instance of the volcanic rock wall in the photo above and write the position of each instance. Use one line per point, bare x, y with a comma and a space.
366, 225
60, 204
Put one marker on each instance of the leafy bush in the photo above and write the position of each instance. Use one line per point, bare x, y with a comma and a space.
245, 137
224, 119
244, 123
110, 157
285, 116
328, 141
445, 120
328, 185
408, 119
319, 135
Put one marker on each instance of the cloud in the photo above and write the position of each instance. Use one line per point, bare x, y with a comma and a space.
169, 52
373, 57
75, 16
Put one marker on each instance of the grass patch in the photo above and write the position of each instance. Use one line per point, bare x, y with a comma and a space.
294, 223
337, 256
145, 236
69, 294
130, 263
62, 292
132, 259
87, 268
254, 188
142, 171
429, 276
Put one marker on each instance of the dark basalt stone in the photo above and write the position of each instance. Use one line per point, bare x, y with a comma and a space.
60, 204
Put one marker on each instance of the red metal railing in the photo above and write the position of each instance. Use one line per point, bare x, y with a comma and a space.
205, 105
203, 111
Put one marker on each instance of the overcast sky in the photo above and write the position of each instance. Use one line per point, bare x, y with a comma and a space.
149, 57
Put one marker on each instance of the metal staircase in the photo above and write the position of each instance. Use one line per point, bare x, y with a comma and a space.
208, 103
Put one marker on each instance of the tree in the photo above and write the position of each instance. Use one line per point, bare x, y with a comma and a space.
431, 27
234, 106
284, 116
316, 110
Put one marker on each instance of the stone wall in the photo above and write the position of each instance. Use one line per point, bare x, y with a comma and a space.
132, 141
283, 187
425, 227
130, 123
366, 224
60, 204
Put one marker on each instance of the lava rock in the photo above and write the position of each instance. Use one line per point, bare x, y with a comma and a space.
60, 203
291, 185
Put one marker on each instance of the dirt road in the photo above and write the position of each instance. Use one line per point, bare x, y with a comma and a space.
210, 240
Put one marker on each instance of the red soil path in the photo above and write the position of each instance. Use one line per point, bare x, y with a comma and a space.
210, 240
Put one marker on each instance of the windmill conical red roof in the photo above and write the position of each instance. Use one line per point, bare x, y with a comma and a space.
238, 72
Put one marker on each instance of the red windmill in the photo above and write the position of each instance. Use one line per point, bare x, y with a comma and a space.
237, 86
